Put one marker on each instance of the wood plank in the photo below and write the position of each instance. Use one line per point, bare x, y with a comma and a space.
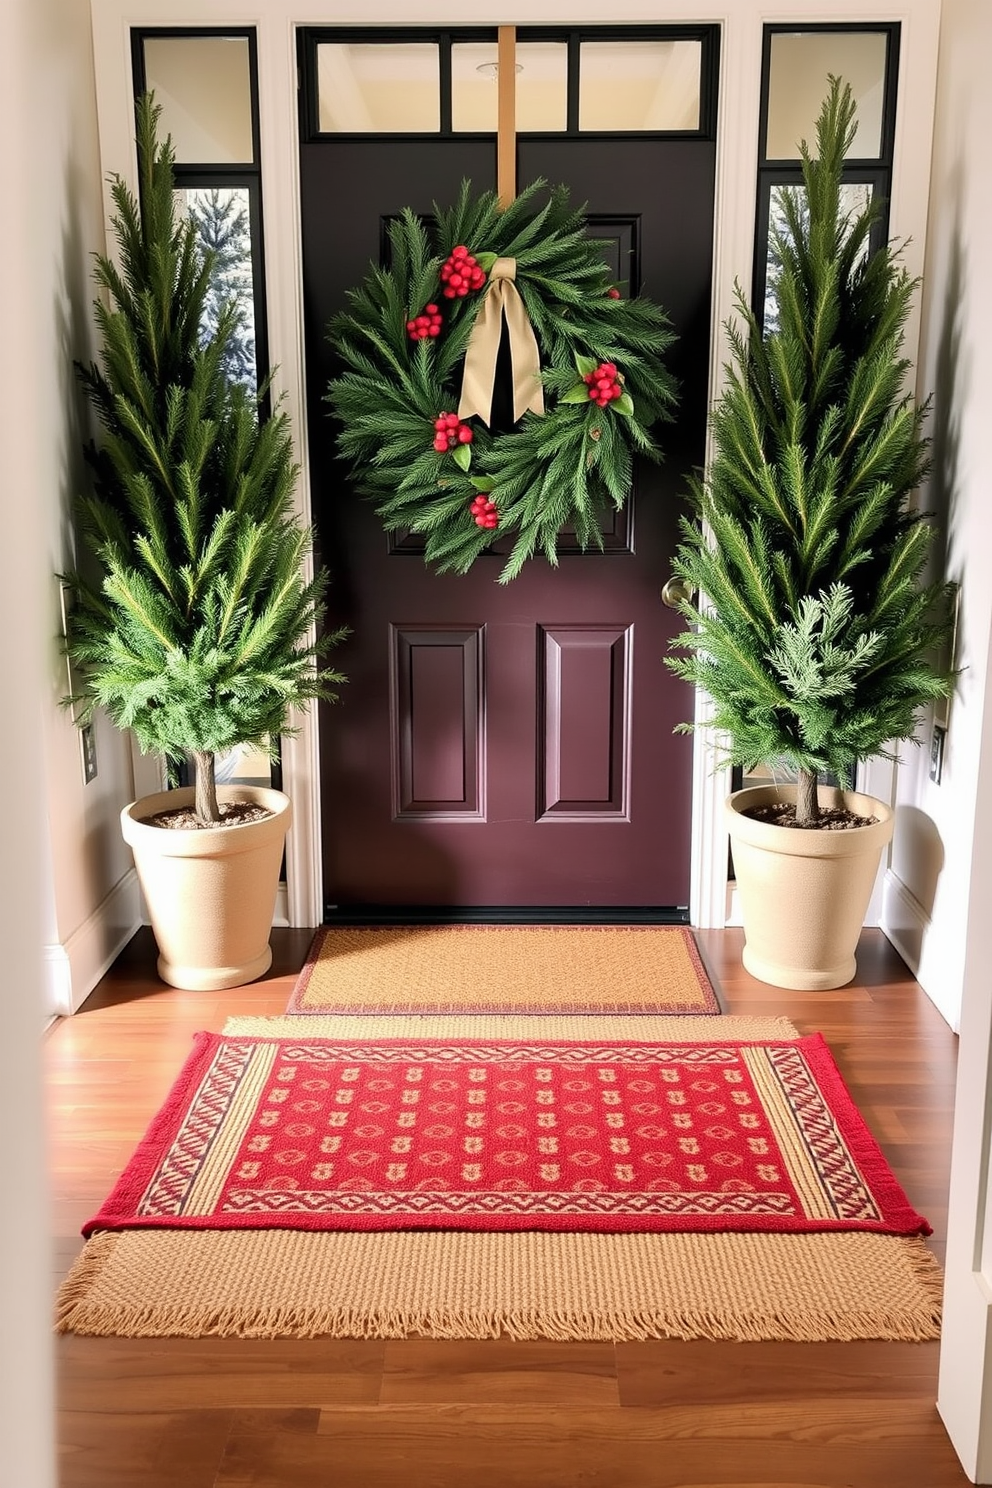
154, 1450
533, 1447
670, 1372
499, 1371
127, 1375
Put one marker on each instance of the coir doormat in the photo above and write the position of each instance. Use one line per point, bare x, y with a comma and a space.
504, 969
503, 1134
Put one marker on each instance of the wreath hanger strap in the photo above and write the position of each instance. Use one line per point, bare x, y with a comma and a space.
501, 302
502, 299
506, 114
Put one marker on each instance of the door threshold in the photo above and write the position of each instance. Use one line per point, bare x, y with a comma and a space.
487, 914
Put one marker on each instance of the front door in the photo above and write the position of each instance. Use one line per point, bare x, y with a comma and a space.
510, 747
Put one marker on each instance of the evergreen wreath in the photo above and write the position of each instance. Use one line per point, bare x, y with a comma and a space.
403, 340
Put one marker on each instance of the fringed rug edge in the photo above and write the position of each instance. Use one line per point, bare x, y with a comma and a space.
77, 1314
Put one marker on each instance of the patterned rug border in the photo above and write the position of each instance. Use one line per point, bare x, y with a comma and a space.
460, 1284
712, 1008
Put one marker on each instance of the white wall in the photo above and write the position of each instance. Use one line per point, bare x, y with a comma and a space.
934, 892
941, 880
94, 904
25, 313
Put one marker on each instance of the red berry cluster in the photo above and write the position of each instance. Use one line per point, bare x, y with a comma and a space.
484, 511
428, 323
460, 273
604, 383
451, 432
613, 292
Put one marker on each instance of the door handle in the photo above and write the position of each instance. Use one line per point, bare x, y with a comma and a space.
676, 592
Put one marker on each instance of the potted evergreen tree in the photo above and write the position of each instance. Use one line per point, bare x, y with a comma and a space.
191, 619
812, 628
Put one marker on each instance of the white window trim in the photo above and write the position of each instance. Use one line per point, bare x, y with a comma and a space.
741, 23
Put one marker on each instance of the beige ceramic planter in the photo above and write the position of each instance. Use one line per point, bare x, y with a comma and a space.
210, 893
804, 893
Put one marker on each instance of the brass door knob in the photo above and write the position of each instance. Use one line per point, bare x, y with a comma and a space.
676, 592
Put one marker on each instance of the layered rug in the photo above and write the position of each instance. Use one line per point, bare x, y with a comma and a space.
504, 969
506, 1134
646, 1181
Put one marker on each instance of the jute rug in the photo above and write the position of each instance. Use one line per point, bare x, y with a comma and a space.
504, 969
521, 1284
469, 1284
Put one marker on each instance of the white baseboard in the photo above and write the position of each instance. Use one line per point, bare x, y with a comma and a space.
904, 921
73, 967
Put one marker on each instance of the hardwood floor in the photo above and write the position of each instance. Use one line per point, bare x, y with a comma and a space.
241, 1413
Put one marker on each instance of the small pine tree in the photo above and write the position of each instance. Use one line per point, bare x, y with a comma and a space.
197, 633
813, 630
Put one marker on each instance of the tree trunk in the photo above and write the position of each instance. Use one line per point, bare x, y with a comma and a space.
807, 802
207, 810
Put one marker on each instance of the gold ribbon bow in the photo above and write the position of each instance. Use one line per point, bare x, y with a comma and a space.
502, 299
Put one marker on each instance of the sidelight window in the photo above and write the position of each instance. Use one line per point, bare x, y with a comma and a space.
205, 85
795, 68
205, 82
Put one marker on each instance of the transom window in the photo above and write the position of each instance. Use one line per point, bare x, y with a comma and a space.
628, 80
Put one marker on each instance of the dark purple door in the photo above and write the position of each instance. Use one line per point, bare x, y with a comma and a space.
509, 746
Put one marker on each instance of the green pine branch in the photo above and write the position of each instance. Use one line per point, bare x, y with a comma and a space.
813, 630
198, 635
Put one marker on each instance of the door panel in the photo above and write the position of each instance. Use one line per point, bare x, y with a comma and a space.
436, 724
509, 746
586, 722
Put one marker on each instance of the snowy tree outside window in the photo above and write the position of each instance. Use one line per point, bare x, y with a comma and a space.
221, 216
223, 224
855, 197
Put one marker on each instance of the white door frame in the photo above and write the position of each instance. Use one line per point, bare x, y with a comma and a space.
741, 23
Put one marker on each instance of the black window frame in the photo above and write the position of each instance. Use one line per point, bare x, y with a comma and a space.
874, 170
310, 37
247, 176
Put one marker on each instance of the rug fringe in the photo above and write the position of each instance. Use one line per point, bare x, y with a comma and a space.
83, 1275
614, 1328
82, 1310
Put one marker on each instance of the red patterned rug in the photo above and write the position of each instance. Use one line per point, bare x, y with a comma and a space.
320, 1134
